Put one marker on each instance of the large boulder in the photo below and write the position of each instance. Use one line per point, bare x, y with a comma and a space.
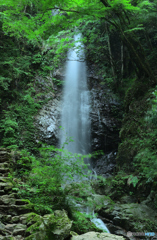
131, 217
97, 236
51, 226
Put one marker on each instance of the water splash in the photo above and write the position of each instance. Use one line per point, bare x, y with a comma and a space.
100, 224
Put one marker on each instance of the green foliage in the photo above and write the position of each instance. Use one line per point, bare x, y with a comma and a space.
119, 183
22, 163
45, 186
17, 123
146, 160
133, 180
137, 152
82, 223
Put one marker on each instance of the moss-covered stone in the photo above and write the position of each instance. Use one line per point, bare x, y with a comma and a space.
132, 217
51, 226
82, 224
29, 218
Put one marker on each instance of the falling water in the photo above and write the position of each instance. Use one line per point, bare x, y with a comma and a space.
75, 119
100, 224
75, 114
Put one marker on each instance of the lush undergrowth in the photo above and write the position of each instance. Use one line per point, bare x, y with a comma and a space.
44, 177
55, 180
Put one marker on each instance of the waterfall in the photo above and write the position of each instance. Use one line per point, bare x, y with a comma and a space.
100, 224
75, 119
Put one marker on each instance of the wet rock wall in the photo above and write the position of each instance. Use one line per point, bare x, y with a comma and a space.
105, 117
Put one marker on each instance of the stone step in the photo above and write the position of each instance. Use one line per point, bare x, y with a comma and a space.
4, 179
6, 186
16, 229
15, 219
13, 195
5, 218
14, 210
29, 218
4, 165
9, 200
21, 202
4, 174
4, 170
4, 232
4, 156
2, 192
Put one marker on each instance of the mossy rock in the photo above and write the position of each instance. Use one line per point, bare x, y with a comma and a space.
132, 217
137, 91
51, 226
126, 152
82, 224
29, 218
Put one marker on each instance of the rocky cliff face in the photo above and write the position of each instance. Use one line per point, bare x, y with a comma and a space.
104, 122
48, 122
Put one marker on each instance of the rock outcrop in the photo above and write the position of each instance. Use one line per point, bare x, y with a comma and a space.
105, 110
131, 217
105, 124
51, 226
48, 122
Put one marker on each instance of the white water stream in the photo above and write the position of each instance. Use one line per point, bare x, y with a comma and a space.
75, 119
75, 112
100, 224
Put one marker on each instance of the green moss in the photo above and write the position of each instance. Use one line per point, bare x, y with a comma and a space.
137, 90
133, 129
145, 225
82, 224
